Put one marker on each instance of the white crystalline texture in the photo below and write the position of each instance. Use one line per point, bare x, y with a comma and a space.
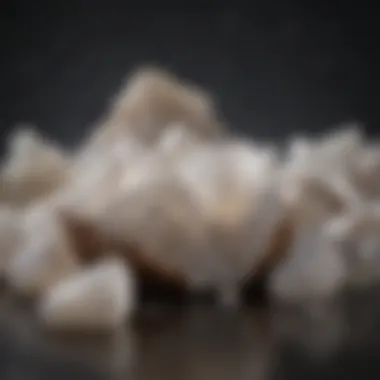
208, 216
151, 101
32, 169
100, 297
366, 172
341, 163
154, 98
160, 175
317, 176
177, 139
11, 235
330, 184
44, 258
314, 269
357, 236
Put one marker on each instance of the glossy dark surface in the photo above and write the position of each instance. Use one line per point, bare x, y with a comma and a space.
338, 341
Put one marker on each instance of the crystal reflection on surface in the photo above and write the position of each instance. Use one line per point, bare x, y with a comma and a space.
338, 340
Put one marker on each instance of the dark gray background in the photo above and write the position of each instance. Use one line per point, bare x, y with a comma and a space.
274, 66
